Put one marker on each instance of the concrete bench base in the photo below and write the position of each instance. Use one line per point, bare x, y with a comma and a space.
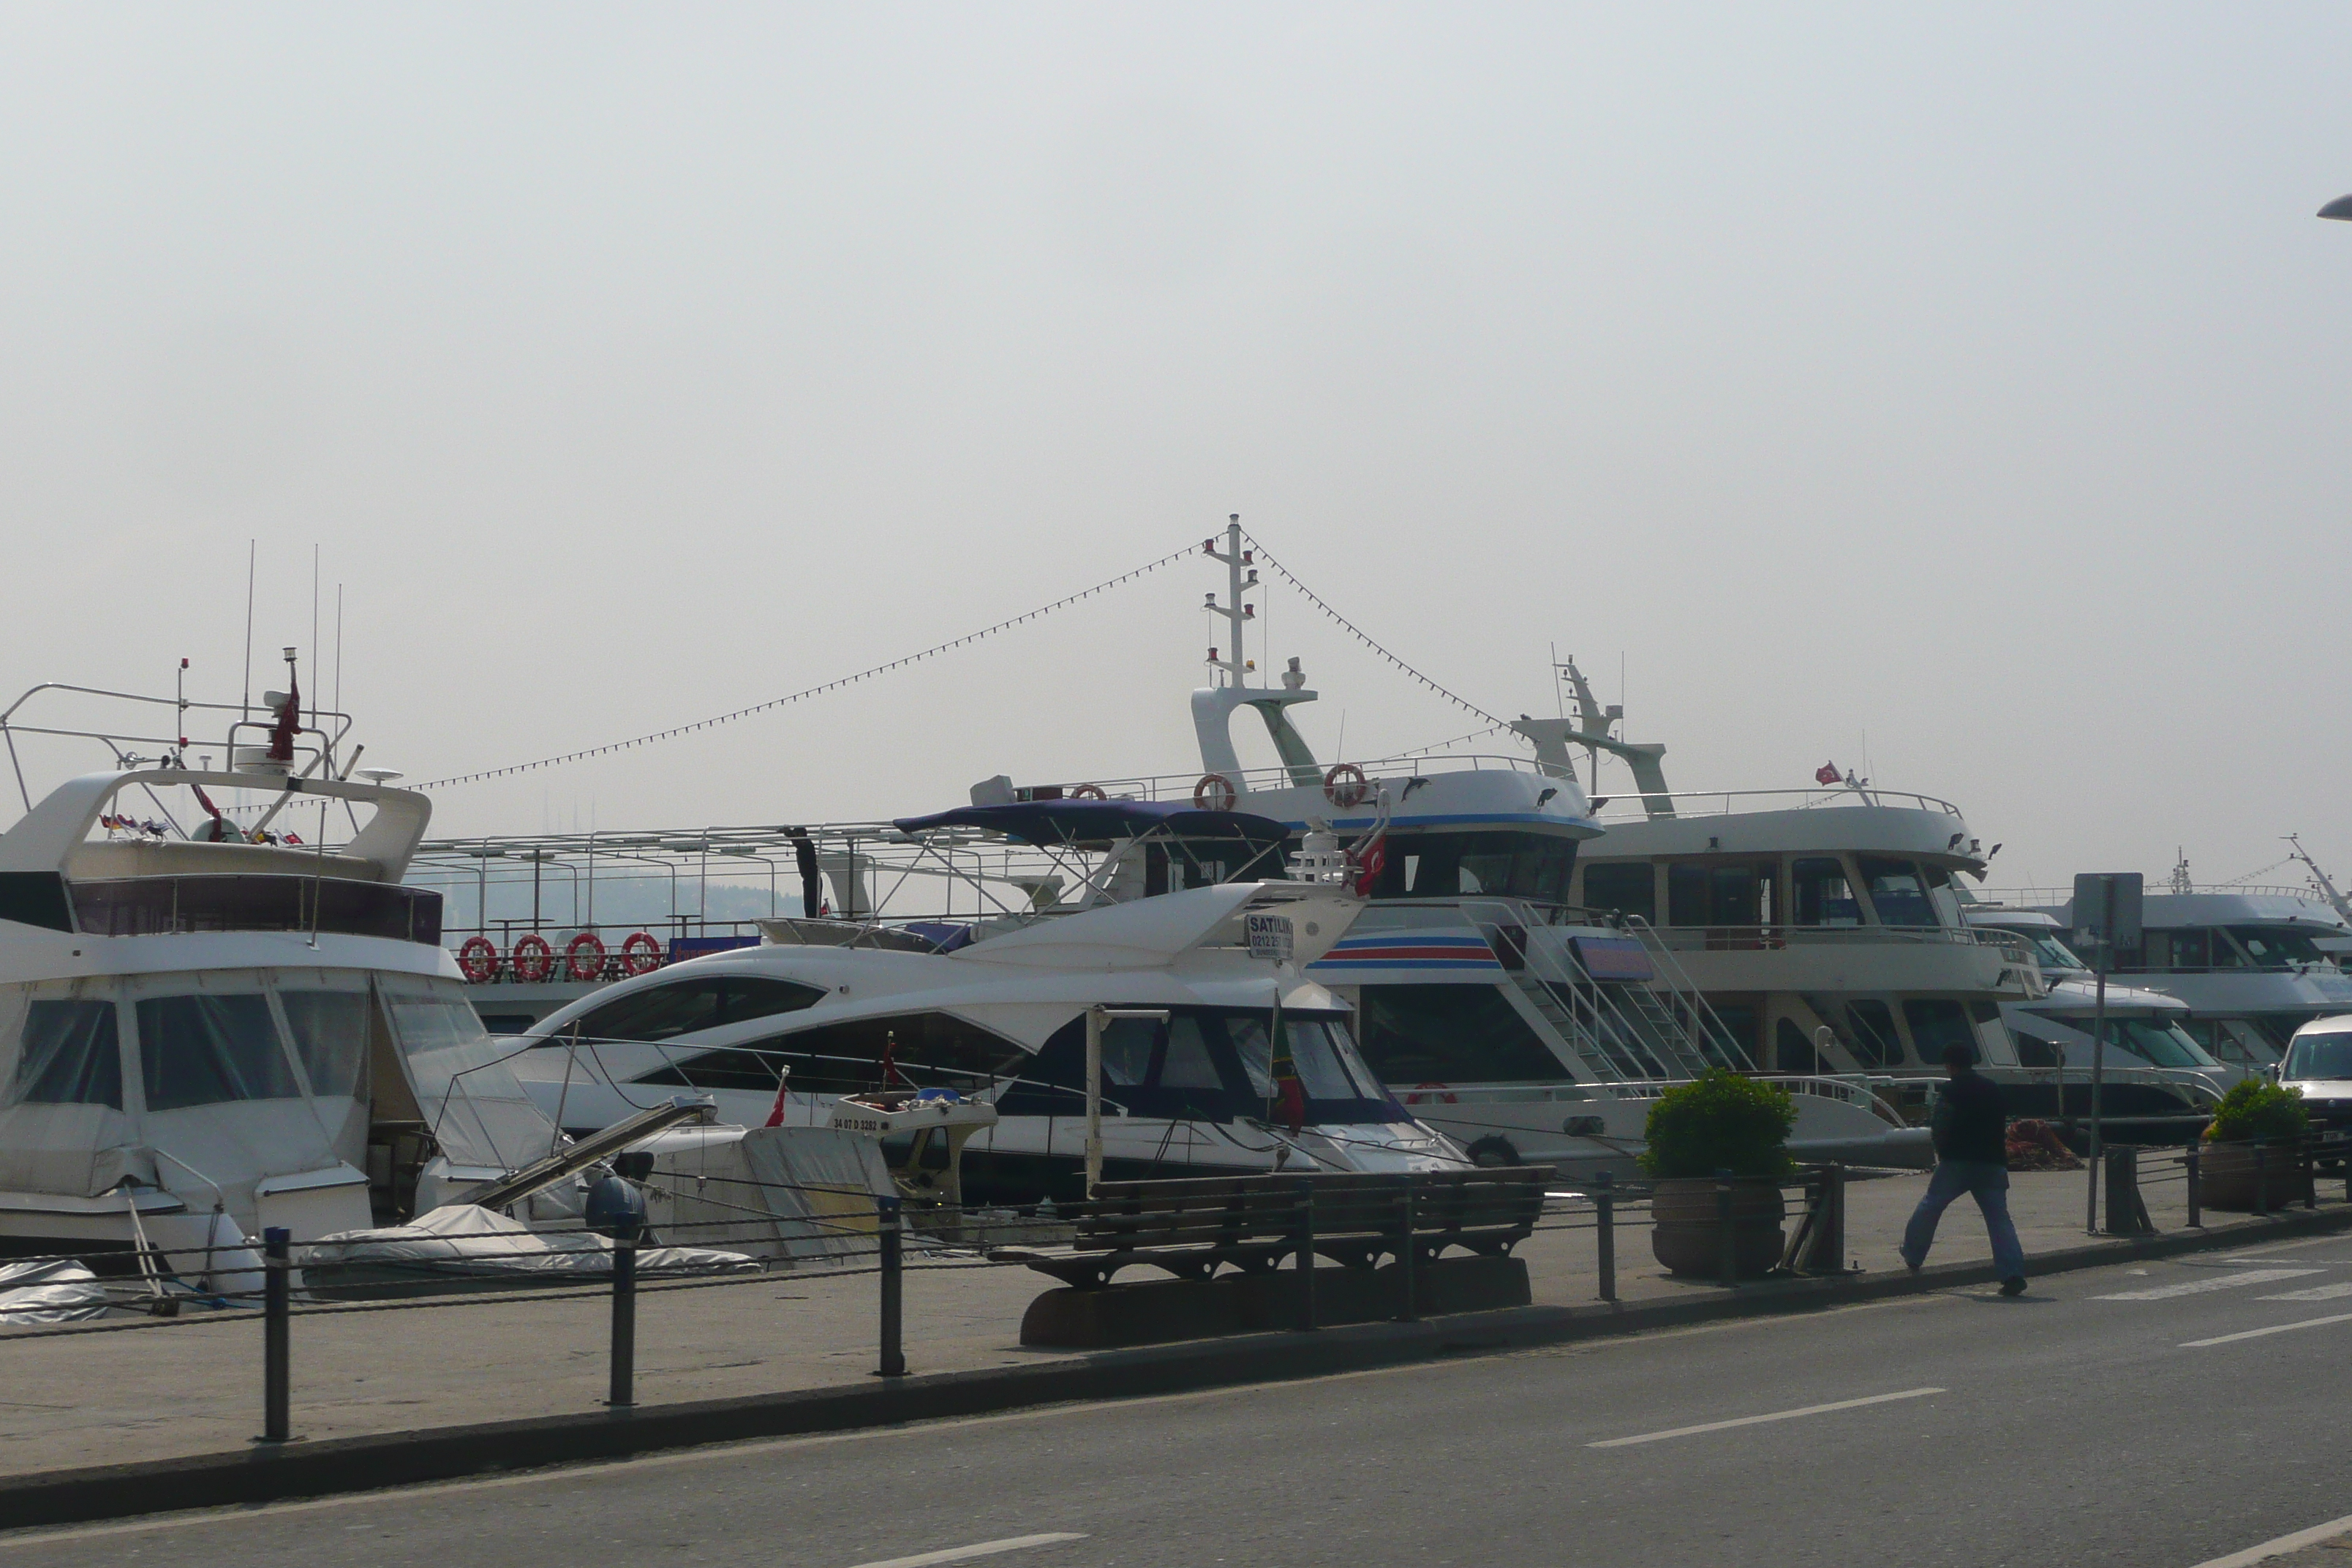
1160, 1311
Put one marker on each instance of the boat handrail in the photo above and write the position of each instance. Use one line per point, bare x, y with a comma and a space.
2040, 899
1769, 938
1633, 806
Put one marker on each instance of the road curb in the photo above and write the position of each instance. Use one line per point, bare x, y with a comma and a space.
306, 1470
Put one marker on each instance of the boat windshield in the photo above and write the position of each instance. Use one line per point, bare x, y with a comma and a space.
2319, 1057
2049, 952
2275, 947
2159, 1044
1899, 893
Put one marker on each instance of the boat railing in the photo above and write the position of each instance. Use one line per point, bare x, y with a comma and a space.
1196, 789
2046, 898
1772, 938
1867, 1091
1635, 806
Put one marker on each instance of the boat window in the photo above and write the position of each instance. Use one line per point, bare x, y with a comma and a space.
732, 1066
1686, 895
1317, 1058
2052, 956
2033, 1053
205, 1049
1424, 865
701, 1002
1631, 888
68, 1054
1741, 897
2179, 948
1187, 1063
2311, 1057
1791, 1052
435, 1024
1711, 894
1896, 892
2276, 947
1127, 1046
931, 1049
2160, 1045
1937, 1025
330, 1037
1415, 1035
1875, 1043
1822, 894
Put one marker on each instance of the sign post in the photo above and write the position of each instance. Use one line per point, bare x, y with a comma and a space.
2106, 915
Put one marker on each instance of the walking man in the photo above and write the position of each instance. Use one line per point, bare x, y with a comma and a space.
1972, 1157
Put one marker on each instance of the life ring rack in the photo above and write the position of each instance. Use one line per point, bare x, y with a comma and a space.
583, 956
478, 960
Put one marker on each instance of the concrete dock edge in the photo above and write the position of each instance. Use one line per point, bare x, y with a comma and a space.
311, 1469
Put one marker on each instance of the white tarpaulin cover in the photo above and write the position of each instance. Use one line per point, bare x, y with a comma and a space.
461, 1240
774, 1192
53, 1290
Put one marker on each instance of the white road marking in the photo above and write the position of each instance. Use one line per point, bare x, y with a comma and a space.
2274, 1328
2317, 1293
965, 1554
2282, 1546
1759, 1420
2199, 1287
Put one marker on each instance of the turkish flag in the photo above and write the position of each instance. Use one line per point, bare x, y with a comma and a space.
1827, 773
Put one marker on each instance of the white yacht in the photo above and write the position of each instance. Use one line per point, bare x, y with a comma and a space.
2147, 1034
1253, 1067
2245, 960
212, 1018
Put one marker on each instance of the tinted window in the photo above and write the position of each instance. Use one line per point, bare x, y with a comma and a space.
1629, 889
1186, 1063
1936, 1024
930, 1050
2033, 1053
1686, 895
203, 1050
2275, 947
1127, 1047
330, 1037
68, 1054
1875, 1043
1792, 1051
1896, 892
1822, 894
731, 1068
1450, 1034
703, 1002
1422, 865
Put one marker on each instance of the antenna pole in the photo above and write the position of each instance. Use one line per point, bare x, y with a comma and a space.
251, 547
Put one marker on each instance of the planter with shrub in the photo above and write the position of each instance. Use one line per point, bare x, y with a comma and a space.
2256, 1114
1720, 1122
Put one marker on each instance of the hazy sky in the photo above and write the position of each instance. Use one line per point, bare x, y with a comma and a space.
1968, 383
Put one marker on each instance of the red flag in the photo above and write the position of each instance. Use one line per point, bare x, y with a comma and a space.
776, 1116
1369, 860
290, 721
1827, 773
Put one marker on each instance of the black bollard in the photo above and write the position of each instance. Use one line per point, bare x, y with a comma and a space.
276, 1337
894, 1359
1727, 1239
2310, 1173
2195, 1189
1304, 1189
2262, 1180
622, 1393
1604, 1205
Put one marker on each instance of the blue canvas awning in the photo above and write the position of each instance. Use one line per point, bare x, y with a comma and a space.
1059, 822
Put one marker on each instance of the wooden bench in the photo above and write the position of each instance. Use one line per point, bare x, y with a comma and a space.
1191, 1228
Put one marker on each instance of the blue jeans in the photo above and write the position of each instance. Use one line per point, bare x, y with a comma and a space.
1989, 1185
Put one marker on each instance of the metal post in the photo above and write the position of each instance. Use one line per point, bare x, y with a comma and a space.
1412, 1313
2310, 1174
277, 1323
1094, 1099
622, 1393
894, 1359
1726, 1241
2126, 1214
1604, 1205
2106, 952
2195, 1189
1304, 1189
2261, 1179
1826, 1255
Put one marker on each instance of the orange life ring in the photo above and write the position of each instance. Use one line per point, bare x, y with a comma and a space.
1089, 792
478, 960
1443, 1099
533, 960
1215, 792
641, 954
1345, 785
583, 956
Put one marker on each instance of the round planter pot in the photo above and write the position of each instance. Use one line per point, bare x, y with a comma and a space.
2226, 1177
1688, 1239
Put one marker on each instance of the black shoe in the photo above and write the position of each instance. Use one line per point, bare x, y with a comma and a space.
2013, 1286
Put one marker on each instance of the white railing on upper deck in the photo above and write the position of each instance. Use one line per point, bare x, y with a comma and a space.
1260, 781
1635, 806
2152, 887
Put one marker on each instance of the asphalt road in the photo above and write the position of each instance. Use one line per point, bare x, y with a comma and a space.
2068, 1426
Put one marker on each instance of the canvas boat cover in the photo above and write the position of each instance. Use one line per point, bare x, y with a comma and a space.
466, 1241
49, 1290
796, 1192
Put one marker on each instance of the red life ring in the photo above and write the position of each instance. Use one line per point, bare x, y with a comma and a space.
478, 960
1215, 792
533, 960
641, 954
583, 956
1089, 792
1447, 1098
1345, 785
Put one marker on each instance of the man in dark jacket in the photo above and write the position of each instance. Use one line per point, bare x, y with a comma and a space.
1972, 1156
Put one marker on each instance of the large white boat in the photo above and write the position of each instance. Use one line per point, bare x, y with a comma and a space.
215, 1020
1223, 1062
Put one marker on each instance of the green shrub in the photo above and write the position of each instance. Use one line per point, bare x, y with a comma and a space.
1720, 1122
2258, 1111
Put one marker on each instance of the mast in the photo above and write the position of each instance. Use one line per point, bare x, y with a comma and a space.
2326, 887
1213, 706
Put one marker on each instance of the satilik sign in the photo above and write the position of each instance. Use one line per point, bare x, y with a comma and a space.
1269, 937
